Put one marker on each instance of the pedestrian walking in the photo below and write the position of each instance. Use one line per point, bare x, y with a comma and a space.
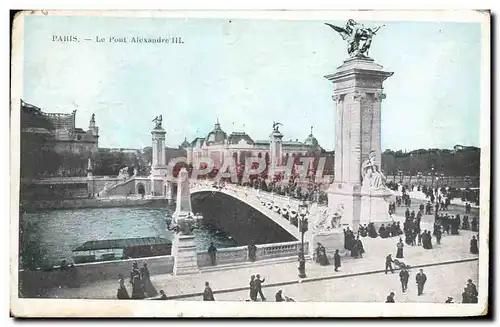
252, 251
258, 286
279, 296
336, 260
400, 246
253, 289
438, 235
404, 276
388, 263
148, 286
421, 278
122, 293
212, 251
473, 246
137, 289
163, 296
208, 295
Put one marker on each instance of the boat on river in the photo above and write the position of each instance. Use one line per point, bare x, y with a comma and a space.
123, 248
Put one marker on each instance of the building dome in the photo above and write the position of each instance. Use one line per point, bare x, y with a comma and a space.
311, 140
216, 136
185, 144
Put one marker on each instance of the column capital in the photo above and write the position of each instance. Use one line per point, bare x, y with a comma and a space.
359, 96
379, 96
338, 98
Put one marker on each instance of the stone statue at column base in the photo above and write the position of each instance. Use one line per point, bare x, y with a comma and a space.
374, 194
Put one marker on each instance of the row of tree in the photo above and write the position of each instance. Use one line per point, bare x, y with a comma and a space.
451, 163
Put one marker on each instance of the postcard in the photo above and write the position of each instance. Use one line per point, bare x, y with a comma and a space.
337, 162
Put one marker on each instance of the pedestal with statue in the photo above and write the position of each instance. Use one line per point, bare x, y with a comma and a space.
183, 223
160, 183
327, 230
359, 185
374, 194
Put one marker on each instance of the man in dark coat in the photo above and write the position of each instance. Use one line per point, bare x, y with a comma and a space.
253, 290
208, 295
252, 251
258, 286
473, 246
472, 290
212, 251
382, 231
163, 296
388, 263
404, 276
360, 247
279, 296
421, 278
438, 235
336, 260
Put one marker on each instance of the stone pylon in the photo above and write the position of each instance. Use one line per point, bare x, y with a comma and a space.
275, 151
184, 246
358, 93
160, 183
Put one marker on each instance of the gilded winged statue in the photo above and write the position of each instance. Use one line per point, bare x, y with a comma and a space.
359, 38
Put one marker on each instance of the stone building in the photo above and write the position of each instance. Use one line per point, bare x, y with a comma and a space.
65, 136
218, 145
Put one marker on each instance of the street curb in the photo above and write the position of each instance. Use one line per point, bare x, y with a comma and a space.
314, 279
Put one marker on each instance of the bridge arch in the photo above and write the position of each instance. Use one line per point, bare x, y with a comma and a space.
254, 202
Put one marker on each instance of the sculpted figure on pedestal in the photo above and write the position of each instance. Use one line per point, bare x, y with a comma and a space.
373, 178
327, 220
158, 120
359, 38
276, 126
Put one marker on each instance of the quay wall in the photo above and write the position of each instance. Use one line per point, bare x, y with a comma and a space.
84, 203
35, 283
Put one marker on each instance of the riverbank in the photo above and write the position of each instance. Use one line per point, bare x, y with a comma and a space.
86, 203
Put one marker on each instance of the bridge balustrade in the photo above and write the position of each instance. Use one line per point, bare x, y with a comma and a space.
278, 250
240, 253
224, 256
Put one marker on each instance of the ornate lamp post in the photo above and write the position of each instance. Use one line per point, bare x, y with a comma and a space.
303, 227
433, 173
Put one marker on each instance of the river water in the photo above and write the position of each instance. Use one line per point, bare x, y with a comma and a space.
50, 236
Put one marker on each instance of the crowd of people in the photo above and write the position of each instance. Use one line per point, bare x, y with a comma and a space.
352, 244
140, 280
452, 223
391, 230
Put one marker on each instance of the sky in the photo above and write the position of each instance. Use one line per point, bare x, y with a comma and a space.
249, 73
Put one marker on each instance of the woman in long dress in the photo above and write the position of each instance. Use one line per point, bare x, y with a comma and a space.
321, 257
149, 288
122, 293
137, 289
360, 247
400, 246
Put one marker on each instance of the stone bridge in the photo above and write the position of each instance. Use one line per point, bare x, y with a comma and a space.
282, 210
